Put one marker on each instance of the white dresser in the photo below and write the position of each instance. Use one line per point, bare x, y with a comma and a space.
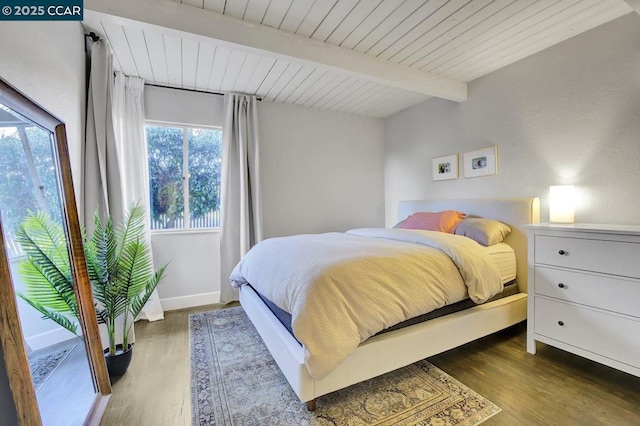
584, 291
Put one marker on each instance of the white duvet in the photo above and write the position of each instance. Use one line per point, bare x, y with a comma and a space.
341, 289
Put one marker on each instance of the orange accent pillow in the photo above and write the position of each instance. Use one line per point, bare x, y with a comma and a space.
445, 221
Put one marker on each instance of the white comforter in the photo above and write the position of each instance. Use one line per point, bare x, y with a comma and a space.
341, 289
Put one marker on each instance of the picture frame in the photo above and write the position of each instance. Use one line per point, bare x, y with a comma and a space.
481, 162
445, 168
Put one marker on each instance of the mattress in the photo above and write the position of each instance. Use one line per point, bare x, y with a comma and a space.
503, 256
510, 289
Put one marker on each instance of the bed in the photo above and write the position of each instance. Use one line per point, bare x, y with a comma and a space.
391, 350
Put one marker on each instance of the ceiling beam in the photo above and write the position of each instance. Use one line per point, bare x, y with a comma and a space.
635, 4
191, 22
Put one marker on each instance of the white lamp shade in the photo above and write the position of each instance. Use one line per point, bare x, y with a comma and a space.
561, 203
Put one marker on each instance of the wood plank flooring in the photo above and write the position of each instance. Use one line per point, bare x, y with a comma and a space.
156, 388
551, 388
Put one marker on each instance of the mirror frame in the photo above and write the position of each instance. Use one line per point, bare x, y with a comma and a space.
11, 338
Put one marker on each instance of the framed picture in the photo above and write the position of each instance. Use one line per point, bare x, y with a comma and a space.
444, 168
481, 162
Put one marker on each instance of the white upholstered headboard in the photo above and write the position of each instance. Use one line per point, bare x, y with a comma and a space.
515, 212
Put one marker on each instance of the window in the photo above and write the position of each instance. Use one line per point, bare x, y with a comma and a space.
180, 158
28, 180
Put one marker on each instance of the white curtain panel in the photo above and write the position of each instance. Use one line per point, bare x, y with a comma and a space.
101, 184
101, 187
131, 148
241, 216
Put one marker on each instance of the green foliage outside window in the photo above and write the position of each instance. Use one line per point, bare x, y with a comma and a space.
205, 163
18, 194
164, 145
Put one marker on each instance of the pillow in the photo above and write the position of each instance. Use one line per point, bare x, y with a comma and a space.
445, 221
485, 231
399, 224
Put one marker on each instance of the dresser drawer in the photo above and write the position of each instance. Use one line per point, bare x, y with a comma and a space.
613, 294
609, 335
609, 257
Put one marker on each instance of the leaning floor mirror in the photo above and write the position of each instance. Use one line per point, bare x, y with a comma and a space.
54, 371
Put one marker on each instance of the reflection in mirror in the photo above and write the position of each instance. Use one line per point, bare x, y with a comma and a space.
36, 245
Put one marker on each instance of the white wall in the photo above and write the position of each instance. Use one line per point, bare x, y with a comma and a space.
321, 171
45, 60
183, 107
567, 115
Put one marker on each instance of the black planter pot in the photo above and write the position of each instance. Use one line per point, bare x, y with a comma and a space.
117, 364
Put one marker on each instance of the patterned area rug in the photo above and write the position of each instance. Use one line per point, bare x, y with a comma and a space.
234, 380
44, 365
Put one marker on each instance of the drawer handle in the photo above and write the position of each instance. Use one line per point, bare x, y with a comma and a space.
561, 285
560, 323
562, 252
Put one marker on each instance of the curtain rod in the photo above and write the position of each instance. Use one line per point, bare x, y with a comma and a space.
190, 90
94, 37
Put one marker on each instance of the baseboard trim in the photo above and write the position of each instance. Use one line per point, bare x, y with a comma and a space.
193, 300
48, 338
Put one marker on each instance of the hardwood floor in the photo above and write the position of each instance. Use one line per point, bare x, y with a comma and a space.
156, 388
551, 388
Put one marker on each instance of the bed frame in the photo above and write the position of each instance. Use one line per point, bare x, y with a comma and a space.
392, 350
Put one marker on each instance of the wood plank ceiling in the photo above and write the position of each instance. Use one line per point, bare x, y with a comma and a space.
457, 39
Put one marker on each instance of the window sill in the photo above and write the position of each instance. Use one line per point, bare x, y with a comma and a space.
182, 231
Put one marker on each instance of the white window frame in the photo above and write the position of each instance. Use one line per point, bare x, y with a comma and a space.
185, 177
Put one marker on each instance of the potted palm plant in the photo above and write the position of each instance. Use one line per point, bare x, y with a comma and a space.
120, 269
122, 278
